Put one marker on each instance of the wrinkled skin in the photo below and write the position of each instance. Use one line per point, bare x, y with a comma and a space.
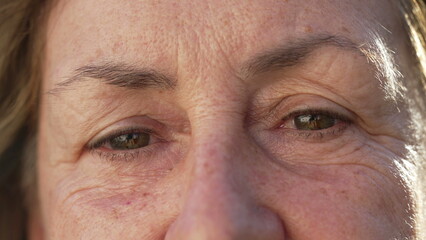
225, 159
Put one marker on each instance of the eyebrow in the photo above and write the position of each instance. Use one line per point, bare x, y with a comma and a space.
132, 77
118, 74
294, 53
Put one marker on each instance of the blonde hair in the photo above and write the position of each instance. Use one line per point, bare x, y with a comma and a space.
19, 89
414, 13
20, 79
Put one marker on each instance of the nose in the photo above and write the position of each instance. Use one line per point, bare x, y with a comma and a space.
219, 203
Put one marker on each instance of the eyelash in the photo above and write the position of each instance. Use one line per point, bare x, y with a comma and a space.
334, 131
130, 155
123, 155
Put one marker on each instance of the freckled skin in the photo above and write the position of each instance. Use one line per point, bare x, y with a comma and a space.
210, 173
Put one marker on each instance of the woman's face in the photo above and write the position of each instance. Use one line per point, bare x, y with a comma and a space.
224, 120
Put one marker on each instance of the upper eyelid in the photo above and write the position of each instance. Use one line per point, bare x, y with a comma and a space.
275, 114
293, 114
274, 109
314, 135
136, 122
96, 143
115, 155
328, 112
141, 123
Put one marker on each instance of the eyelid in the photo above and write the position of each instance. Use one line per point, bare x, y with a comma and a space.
134, 123
97, 146
272, 110
96, 143
321, 135
333, 114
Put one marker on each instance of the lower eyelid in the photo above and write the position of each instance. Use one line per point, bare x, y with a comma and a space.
112, 156
100, 150
316, 135
124, 155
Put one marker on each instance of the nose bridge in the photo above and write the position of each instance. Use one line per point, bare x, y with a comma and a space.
214, 157
217, 204
211, 187
218, 139
219, 150
217, 120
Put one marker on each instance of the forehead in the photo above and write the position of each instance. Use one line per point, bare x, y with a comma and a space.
198, 34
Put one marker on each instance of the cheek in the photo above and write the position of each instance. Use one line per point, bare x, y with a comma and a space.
95, 209
314, 200
89, 199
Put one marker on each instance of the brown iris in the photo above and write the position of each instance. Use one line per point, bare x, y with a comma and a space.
130, 141
314, 121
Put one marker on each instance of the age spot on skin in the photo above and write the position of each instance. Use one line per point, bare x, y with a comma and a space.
308, 29
344, 194
345, 30
323, 191
115, 213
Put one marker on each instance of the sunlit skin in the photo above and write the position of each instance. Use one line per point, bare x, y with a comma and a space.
225, 157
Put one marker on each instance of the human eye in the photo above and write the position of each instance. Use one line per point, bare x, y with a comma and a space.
124, 140
124, 144
315, 123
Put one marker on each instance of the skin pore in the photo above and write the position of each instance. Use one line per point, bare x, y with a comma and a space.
212, 92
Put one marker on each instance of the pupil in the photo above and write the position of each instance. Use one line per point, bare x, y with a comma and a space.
313, 122
130, 141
